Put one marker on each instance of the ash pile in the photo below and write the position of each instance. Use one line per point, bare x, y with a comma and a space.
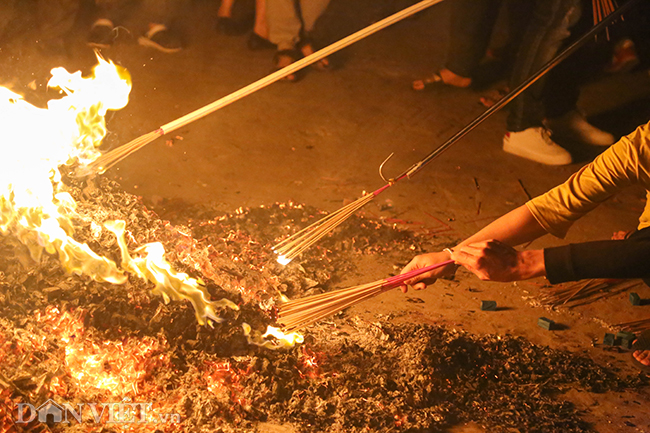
71, 339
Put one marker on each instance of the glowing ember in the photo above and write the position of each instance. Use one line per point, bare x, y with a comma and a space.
280, 339
117, 367
223, 380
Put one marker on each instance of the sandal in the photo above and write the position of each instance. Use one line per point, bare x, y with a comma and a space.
641, 343
493, 96
284, 58
433, 81
306, 47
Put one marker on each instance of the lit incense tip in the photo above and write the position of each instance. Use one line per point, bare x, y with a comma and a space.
283, 260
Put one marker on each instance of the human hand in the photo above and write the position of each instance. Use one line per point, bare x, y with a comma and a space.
643, 356
423, 260
495, 261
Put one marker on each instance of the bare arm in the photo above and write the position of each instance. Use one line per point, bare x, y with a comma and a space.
514, 228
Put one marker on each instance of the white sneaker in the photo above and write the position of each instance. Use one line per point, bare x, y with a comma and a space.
574, 125
536, 144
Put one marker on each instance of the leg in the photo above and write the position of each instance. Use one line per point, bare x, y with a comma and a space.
471, 26
311, 10
261, 27
470, 29
527, 136
284, 23
259, 37
225, 8
548, 28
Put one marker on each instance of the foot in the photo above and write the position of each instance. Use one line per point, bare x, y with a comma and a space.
322, 65
160, 38
574, 125
102, 34
284, 58
444, 77
536, 144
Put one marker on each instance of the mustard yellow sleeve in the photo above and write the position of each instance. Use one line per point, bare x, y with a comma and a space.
624, 163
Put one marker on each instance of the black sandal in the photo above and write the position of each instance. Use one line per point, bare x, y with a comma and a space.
641, 343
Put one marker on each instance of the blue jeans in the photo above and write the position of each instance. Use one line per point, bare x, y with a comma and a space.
548, 29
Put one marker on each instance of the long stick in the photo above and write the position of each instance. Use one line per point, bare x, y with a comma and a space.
111, 158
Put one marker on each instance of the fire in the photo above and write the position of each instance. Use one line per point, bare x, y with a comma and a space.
280, 339
34, 204
170, 284
117, 367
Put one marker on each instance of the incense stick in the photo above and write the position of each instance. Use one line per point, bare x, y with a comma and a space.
111, 158
299, 313
585, 292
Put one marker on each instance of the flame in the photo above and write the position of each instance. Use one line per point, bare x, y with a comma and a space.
168, 283
34, 206
281, 340
283, 260
36, 141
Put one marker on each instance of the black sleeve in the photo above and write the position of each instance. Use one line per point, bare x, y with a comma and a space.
629, 258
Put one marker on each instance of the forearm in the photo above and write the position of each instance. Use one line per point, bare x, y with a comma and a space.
514, 228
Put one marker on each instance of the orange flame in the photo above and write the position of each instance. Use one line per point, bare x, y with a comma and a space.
34, 205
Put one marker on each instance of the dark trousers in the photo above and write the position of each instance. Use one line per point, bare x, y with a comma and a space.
471, 27
556, 93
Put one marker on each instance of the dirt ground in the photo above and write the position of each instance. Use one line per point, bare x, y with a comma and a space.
321, 141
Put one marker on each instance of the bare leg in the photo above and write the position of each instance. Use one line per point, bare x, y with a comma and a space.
261, 27
311, 11
225, 8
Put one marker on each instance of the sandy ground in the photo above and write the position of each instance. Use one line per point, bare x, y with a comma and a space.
320, 142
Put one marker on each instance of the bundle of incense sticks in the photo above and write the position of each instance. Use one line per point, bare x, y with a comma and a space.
585, 292
296, 314
635, 326
602, 8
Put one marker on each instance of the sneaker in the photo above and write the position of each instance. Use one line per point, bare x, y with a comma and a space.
102, 34
536, 144
160, 38
574, 125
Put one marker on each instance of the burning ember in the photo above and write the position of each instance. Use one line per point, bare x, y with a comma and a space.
118, 368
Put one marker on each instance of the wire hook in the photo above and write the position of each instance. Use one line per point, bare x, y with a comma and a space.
381, 170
